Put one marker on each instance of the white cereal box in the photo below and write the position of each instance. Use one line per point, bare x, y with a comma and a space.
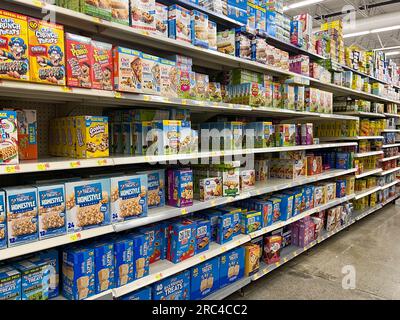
161, 19
151, 74
179, 23
168, 78
127, 70
143, 14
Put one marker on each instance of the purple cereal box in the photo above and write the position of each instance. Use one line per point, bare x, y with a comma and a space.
307, 134
180, 187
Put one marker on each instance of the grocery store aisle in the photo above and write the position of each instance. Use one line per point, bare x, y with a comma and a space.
371, 245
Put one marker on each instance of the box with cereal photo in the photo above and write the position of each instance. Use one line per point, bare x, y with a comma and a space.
143, 14
179, 23
151, 74
97, 8
102, 67
3, 221
8, 137
127, 70
46, 52
120, 11
14, 61
161, 17
155, 188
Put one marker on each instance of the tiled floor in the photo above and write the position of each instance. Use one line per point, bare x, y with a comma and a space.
371, 246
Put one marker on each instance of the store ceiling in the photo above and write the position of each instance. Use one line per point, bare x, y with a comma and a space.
336, 8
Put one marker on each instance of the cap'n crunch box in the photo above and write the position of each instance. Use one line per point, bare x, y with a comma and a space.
102, 68
46, 52
14, 63
79, 54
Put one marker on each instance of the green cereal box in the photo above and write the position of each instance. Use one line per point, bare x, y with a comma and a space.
100, 9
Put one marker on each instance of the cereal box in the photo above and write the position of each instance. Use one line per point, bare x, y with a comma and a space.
150, 74
210, 188
27, 134
100, 9
143, 14
46, 52
51, 202
251, 258
35, 278
87, 204
226, 42
156, 241
272, 249
155, 188
176, 287
14, 62
141, 294
181, 241
140, 255
185, 137
161, 17
102, 67
22, 215
179, 23
286, 205
186, 81
91, 136
231, 179
266, 211
276, 208
168, 132
251, 221
79, 53
128, 70
212, 35
120, 11
225, 228
202, 83
204, 279
78, 273
168, 78
128, 197
3, 221
231, 266
199, 28
10, 283
123, 261
8, 137
103, 266
180, 188
247, 179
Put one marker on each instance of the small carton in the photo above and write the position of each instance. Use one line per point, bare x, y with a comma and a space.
143, 14
3, 221
181, 241
186, 84
276, 209
251, 258
199, 28
14, 62
212, 35
231, 266
330, 191
155, 188
140, 255
236, 218
340, 188
225, 227
319, 195
286, 205
27, 134
79, 54
8, 137
102, 67
308, 201
203, 235
103, 266
88, 204
213, 216
168, 137
123, 261
179, 23
204, 279
272, 249
78, 273
251, 221
180, 188
210, 188
226, 41
22, 215
128, 197
185, 137
161, 18
247, 179
141, 294
231, 179
202, 84
156, 241
10, 283
176, 287
120, 11
99, 9
168, 78
51, 204
128, 74
150, 74
46, 52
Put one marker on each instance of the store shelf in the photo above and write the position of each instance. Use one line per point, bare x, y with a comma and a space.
391, 145
57, 163
368, 154
390, 158
389, 185
362, 114
362, 194
228, 290
54, 242
384, 173
390, 130
392, 115
367, 173
355, 138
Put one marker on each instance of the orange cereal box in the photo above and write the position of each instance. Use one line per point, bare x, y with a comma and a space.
14, 62
46, 52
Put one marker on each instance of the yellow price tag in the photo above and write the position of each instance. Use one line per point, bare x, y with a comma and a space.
66, 89
117, 95
166, 100
158, 276
184, 102
230, 105
223, 249
37, 3
284, 259
43, 166
11, 169
75, 237
96, 20
277, 264
75, 164
102, 162
184, 211
203, 258
213, 203
146, 98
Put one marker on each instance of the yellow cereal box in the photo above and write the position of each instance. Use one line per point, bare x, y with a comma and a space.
46, 52
91, 136
14, 62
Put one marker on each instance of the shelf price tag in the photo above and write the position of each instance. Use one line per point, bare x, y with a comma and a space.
75, 236
37, 3
66, 89
12, 169
184, 102
158, 276
117, 95
277, 264
96, 20
223, 249
102, 162
75, 164
146, 98
183, 211
213, 203
202, 258
43, 166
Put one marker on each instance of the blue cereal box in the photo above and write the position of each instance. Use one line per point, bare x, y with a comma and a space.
22, 215
199, 28
103, 266
276, 209
155, 188
286, 205
181, 241
88, 204
156, 241
176, 287
123, 261
343, 160
265, 208
213, 216
51, 202
78, 273
128, 197
237, 14
141, 294
236, 218
340, 188
251, 221
297, 201
10, 283
49, 258
3, 221
225, 228
231, 266
204, 279
242, 4
203, 235
308, 197
35, 278
140, 255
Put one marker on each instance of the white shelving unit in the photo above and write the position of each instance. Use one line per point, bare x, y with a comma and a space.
367, 154
355, 138
390, 158
367, 173
384, 173
361, 194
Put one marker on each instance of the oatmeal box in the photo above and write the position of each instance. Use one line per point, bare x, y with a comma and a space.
14, 61
143, 14
3, 221
102, 68
127, 70
128, 197
8, 137
78, 60
179, 23
87, 204
46, 52
51, 202
155, 188
22, 215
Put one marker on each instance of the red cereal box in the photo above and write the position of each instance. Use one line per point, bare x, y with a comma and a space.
102, 68
79, 55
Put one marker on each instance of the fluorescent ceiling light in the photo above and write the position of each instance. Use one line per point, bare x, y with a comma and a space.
392, 53
301, 4
356, 34
385, 29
